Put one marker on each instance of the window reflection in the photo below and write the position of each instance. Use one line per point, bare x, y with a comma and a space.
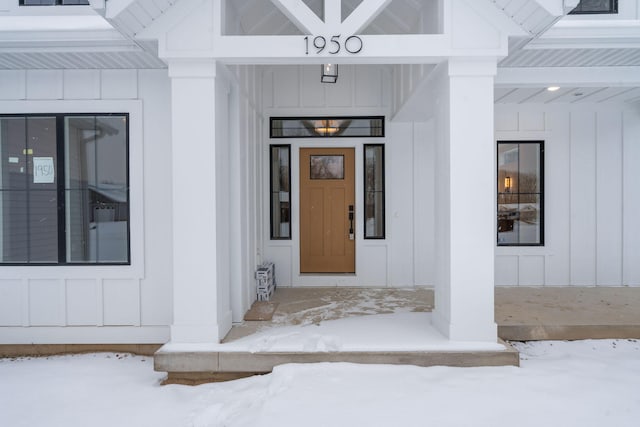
280, 192
96, 189
520, 202
374, 191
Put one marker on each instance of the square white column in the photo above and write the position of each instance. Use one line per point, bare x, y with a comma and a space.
465, 201
193, 112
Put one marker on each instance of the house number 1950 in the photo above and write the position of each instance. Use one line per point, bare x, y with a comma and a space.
352, 44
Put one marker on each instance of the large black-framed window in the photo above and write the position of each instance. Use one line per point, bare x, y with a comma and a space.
520, 185
327, 127
280, 191
64, 189
590, 7
374, 191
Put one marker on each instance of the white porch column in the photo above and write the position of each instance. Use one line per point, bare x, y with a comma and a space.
465, 201
193, 112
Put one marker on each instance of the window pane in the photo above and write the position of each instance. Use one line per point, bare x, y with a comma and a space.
97, 189
13, 146
29, 205
280, 192
326, 167
374, 192
15, 235
43, 226
529, 169
529, 219
520, 214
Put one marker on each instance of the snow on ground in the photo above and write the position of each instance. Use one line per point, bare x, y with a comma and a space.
581, 383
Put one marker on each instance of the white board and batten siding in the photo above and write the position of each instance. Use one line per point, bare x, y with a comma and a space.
360, 91
592, 196
100, 304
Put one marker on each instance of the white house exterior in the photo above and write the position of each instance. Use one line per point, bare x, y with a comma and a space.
198, 83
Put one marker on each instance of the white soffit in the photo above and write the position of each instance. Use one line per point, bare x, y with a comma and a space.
59, 41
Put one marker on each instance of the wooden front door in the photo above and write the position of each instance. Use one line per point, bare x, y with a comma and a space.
327, 217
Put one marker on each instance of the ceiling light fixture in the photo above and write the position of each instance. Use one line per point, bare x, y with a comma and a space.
553, 88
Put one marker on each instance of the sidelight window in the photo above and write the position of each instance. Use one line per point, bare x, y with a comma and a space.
374, 215
280, 192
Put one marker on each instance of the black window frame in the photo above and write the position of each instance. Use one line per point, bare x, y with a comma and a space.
314, 118
383, 191
55, 3
61, 190
271, 207
540, 144
610, 9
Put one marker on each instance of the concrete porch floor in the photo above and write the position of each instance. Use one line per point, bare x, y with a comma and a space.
521, 314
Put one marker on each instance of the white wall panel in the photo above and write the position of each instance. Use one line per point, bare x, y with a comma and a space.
631, 198
121, 299
557, 198
609, 198
119, 84
506, 120
375, 271
531, 121
368, 86
82, 302
46, 303
583, 198
312, 90
267, 89
11, 302
506, 270
13, 84
531, 270
44, 84
340, 94
286, 86
81, 84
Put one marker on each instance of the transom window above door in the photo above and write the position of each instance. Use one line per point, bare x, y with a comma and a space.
327, 127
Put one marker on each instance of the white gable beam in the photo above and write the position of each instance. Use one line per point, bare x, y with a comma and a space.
333, 12
300, 14
363, 15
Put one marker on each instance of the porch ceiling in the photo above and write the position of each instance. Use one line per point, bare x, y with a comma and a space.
567, 95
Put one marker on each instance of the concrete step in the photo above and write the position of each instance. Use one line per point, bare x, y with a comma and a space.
196, 367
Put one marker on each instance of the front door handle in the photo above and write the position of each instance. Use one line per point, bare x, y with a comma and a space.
351, 233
